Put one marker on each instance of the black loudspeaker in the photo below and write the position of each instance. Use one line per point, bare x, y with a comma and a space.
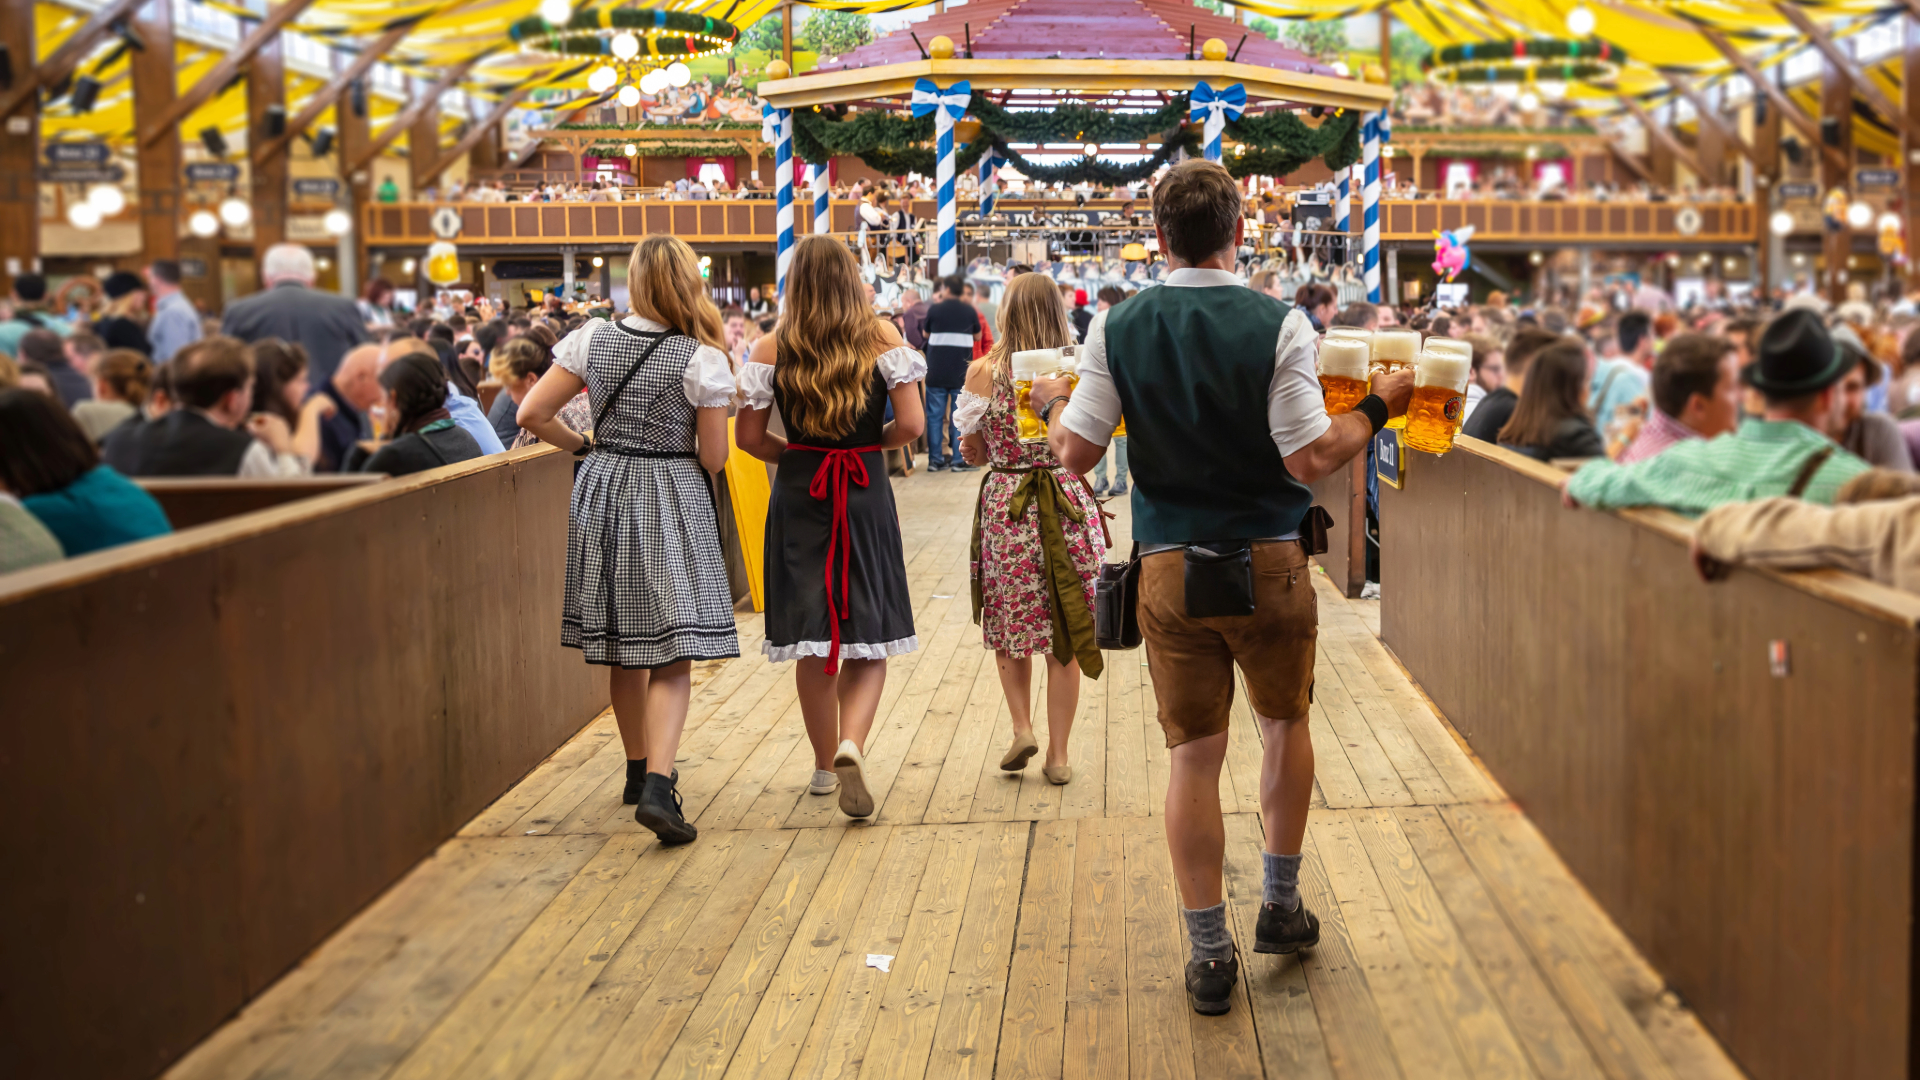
1830, 130
86, 90
1796, 153
357, 98
322, 142
6, 68
276, 121
215, 142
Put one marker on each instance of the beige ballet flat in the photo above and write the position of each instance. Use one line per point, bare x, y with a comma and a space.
855, 800
1057, 774
1022, 751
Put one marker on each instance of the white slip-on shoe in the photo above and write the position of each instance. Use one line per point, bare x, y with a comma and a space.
855, 799
824, 781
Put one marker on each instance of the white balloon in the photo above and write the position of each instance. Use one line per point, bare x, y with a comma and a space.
602, 79
625, 46
653, 81
629, 96
83, 215
679, 74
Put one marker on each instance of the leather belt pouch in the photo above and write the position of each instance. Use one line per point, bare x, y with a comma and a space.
1219, 582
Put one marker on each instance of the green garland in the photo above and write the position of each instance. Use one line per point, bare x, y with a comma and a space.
1277, 143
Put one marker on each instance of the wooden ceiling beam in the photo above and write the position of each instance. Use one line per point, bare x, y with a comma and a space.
1837, 56
331, 93
475, 132
67, 57
399, 125
1707, 114
1789, 111
1659, 133
223, 71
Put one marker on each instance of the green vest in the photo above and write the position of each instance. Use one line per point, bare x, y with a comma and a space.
1193, 366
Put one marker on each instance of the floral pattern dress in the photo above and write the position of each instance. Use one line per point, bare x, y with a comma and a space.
1015, 615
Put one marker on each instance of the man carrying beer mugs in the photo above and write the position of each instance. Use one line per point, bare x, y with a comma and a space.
1218, 386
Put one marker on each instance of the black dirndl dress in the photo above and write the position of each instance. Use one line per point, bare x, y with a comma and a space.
646, 581
832, 524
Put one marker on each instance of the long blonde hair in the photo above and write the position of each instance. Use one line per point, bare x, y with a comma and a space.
828, 337
1031, 317
663, 284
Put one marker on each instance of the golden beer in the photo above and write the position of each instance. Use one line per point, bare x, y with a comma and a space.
1439, 401
1393, 350
1344, 363
1028, 366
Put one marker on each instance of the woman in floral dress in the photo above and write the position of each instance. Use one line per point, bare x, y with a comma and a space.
1038, 542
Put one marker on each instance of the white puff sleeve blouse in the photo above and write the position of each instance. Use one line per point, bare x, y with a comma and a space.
708, 381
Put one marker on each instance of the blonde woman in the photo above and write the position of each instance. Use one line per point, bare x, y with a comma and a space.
1037, 541
837, 597
646, 583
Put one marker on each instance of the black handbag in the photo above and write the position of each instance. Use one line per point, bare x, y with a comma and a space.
1116, 604
1219, 583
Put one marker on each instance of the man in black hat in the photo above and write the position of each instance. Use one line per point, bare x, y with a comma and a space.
1789, 450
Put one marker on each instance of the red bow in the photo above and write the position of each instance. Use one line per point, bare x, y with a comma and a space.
837, 468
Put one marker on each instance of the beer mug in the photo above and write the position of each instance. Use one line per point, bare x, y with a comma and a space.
1343, 372
1439, 399
1393, 350
1028, 366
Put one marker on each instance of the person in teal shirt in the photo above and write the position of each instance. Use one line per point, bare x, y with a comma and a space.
1787, 451
51, 466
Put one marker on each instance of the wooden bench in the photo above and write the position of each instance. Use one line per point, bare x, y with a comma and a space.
197, 500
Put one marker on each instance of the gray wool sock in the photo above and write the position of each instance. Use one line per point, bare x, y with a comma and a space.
1207, 929
1283, 880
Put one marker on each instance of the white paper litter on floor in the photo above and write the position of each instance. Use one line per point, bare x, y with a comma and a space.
879, 960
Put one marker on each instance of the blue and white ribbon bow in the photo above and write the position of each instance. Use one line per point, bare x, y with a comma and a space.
952, 101
1213, 109
769, 123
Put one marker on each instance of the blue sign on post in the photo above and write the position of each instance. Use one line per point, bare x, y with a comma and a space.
219, 171
1389, 464
76, 153
318, 187
1872, 179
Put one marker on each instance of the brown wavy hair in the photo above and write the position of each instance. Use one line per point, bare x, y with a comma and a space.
664, 285
829, 338
1031, 317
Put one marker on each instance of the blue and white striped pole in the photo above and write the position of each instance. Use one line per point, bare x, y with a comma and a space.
1213, 109
990, 163
947, 106
783, 197
1342, 208
822, 211
1370, 207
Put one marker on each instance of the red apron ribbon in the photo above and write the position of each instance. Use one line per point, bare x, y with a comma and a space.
837, 468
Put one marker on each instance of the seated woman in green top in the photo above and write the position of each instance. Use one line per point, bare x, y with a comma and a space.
53, 468
424, 433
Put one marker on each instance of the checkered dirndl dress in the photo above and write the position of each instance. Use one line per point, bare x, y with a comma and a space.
646, 582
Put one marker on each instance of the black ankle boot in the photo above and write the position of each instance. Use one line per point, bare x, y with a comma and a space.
636, 780
659, 810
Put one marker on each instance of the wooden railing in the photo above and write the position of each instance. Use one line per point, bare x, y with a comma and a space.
197, 500
737, 221
1729, 768
222, 743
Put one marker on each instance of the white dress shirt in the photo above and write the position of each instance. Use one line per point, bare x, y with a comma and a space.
1296, 406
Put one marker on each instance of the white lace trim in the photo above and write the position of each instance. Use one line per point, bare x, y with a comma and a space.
849, 650
969, 412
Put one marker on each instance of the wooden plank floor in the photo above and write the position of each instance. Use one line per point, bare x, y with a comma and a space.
1033, 930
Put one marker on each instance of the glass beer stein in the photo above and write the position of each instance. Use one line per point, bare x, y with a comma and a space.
1439, 400
1343, 371
1393, 350
1028, 366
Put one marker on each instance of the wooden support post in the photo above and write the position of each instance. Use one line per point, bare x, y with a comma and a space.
1766, 165
1663, 149
1710, 150
328, 94
267, 91
1909, 142
1836, 101
423, 136
19, 153
477, 129
1710, 115
1839, 58
354, 138
154, 85
1792, 113
786, 36
29, 77
402, 123
180, 106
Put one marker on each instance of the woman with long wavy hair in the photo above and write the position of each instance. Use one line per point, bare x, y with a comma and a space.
647, 589
837, 597
1037, 541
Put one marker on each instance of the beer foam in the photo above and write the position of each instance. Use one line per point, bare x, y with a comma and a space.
1398, 346
1350, 332
1034, 362
1448, 345
1344, 357
1442, 369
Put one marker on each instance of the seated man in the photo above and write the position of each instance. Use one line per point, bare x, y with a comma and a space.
1696, 395
210, 433
1788, 451
1878, 539
354, 389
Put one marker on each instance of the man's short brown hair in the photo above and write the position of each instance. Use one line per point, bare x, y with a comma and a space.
1689, 365
210, 369
1526, 344
1197, 206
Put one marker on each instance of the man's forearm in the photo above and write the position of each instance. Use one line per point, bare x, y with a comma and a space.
1348, 435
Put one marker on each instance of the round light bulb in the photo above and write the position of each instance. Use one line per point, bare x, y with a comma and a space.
1529, 101
1781, 223
1580, 21
1552, 90
653, 81
1860, 215
1091, 150
1673, 260
338, 222
202, 223
556, 12
679, 74
598, 261
630, 150
323, 263
83, 215
408, 266
1889, 222
106, 198
1536, 258
235, 212
625, 46
629, 96
602, 79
